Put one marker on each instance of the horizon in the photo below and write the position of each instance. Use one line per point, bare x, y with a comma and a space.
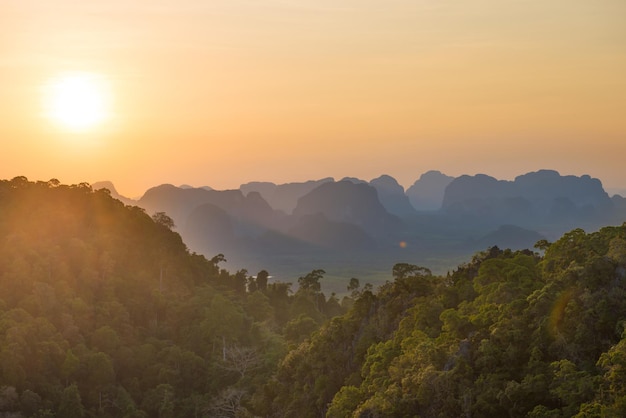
610, 190
226, 93
138, 192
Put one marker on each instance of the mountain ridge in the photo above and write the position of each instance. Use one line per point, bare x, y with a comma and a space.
327, 222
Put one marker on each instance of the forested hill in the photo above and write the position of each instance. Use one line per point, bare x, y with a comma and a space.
509, 334
105, 313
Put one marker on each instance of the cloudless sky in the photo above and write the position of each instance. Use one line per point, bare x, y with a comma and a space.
222, 92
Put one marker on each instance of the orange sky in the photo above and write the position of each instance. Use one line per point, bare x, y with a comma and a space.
222, 92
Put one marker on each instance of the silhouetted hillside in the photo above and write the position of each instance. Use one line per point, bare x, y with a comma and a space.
543, 199
612, 191
392, 196
187, 186
348, 202
354, 180
540, 187
263, 224
283, 196
179, 203
619, 202
209, 230
110, 187
427, 192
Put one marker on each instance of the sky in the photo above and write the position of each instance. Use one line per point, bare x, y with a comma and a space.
223, 92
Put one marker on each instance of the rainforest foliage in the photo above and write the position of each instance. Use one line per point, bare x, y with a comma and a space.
105, 313
509, 334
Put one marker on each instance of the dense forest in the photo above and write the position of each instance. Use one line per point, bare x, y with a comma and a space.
104, 312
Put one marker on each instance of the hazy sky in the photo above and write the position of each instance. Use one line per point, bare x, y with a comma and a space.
222, 92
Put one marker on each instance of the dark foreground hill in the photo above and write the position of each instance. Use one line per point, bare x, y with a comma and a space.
105, 313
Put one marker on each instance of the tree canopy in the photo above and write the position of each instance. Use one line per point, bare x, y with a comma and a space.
511, 333
104, 312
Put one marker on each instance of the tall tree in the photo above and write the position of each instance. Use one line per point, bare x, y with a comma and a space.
71, 405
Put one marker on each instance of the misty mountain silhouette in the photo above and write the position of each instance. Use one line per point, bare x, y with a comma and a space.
209, 230
427, 192
108, 185
179, 203
212, 221
284, 196
619, 202
325, 222
186, 186
541, 199
392, 196
354, 203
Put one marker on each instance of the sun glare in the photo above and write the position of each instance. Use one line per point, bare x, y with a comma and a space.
78, 101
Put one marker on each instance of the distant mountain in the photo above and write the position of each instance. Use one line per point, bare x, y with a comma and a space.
176, 202
322, 223
114, 194
209, 230
428, 191
186, 186
354, 180
283, 197
179, 203
345, 201
547, 184
612, 191
538, 199
472, 188
212, 221
619, 202
392, 196
539, 186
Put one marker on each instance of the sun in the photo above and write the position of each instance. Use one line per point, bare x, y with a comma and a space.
78, 101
